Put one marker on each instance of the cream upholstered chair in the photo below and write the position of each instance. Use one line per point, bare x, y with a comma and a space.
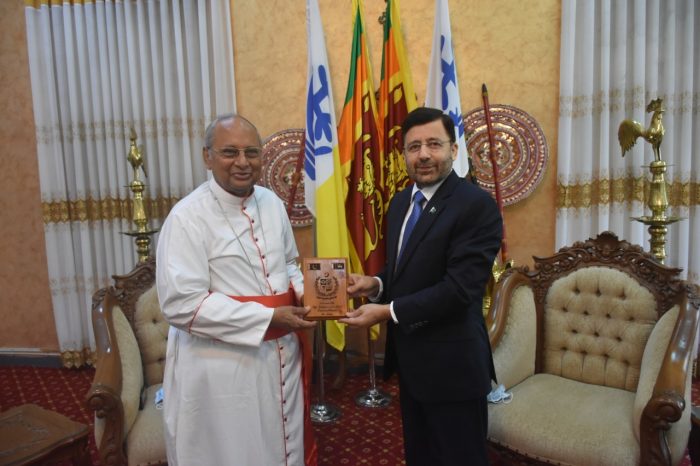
595, 346
130, 334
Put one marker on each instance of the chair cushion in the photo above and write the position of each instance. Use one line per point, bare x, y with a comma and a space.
132, 375
151, 331
563, 421
596, 324
146, 443
514, 356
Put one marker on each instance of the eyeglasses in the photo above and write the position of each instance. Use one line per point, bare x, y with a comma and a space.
231, 153
433, 145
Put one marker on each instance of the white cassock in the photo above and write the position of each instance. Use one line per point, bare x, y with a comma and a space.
230, 397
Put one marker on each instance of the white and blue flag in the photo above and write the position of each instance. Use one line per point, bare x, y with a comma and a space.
321, 130
324, 184
443, 87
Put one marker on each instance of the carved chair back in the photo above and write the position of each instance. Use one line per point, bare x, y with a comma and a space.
135, 295
597, 303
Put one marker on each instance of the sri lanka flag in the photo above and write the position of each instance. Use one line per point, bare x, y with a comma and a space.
361, 156
396, 99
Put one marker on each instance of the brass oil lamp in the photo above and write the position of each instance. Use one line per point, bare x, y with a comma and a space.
657, 202
142, 233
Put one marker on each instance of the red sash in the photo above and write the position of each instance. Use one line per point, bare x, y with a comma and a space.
289, 299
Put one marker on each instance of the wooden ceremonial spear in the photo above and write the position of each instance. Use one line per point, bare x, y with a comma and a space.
494, 166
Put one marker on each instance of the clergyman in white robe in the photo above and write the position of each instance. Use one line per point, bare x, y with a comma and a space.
231, 397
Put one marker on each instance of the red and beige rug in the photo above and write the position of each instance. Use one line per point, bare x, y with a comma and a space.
361, 436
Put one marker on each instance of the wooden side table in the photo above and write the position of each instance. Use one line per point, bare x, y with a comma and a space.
30, 434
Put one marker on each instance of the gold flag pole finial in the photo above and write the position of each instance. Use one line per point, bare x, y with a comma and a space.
142, 233
627, 135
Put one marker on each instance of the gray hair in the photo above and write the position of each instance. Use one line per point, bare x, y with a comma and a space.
209, 132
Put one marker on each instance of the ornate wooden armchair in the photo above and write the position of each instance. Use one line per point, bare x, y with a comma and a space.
595, 346
131, 335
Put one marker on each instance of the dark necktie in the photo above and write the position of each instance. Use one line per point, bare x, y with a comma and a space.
418, 199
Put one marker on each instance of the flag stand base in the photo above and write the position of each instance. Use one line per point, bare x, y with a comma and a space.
373, 398
324, 413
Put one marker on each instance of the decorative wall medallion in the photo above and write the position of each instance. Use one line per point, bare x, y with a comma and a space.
280, 154
521, 150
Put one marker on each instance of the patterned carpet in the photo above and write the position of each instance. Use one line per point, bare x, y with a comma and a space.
361, 436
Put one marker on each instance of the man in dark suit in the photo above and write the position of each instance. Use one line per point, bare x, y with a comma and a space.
443, 234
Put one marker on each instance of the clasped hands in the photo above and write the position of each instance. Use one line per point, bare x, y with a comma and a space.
363, 286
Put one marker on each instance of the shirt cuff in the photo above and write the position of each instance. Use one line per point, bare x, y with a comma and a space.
376, 297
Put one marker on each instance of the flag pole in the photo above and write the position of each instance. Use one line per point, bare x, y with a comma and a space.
321, 140
321, 411
494, 166
373, 397
370, 252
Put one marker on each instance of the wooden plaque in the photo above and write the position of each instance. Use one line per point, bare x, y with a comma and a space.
325, 287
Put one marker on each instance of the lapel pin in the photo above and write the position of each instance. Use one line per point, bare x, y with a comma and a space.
432, 210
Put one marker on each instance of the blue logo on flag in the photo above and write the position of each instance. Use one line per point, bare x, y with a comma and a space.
318, 123
450, 106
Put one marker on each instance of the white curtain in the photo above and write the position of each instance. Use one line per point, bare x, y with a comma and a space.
616, 56
98, 69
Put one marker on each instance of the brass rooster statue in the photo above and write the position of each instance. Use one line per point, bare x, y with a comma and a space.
135, 157
630, 130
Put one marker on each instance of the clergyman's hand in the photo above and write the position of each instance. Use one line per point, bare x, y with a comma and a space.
291, 318
362, 286
367, 315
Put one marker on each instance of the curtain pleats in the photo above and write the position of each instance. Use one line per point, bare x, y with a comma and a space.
616, 56
98, 69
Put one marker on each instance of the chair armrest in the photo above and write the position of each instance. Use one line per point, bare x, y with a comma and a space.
497, 316
104, 396
512, 326
667, 401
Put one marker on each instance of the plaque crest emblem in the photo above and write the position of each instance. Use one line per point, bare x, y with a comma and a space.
326, 286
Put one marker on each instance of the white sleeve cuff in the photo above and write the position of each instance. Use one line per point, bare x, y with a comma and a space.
376, 297
393, 314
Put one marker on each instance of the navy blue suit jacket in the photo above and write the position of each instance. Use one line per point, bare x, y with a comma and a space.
440, 345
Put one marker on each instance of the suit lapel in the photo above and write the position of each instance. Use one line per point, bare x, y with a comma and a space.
431, 213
